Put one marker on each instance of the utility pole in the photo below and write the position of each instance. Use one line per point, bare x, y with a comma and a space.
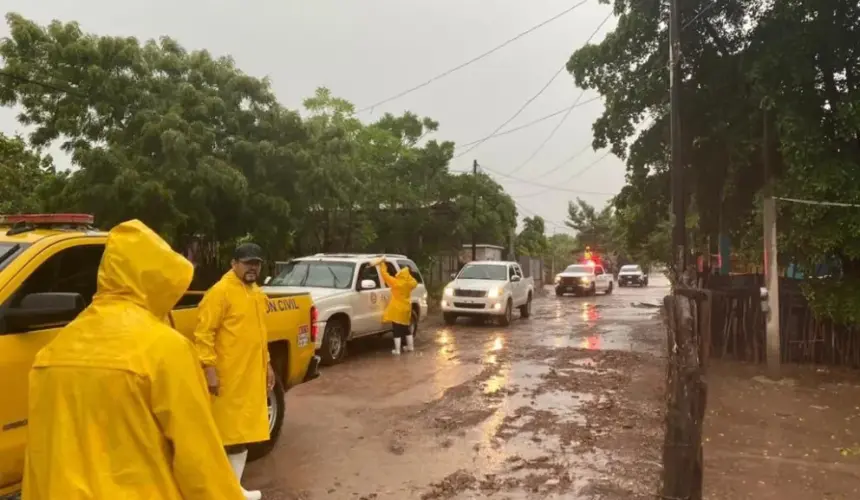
771, 266
475, 212
679, 237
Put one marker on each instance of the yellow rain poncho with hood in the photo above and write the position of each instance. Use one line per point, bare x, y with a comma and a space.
231, 336
399, 308
118, 406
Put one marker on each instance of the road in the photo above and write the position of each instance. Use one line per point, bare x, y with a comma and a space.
565, 404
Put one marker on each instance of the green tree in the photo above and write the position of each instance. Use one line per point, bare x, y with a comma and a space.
29, 179
532, 239
594, 228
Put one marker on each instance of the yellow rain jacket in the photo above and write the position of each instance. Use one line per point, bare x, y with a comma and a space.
118, 406
231, 336
399, 308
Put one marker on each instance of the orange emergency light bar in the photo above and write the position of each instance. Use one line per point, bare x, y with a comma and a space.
48, 219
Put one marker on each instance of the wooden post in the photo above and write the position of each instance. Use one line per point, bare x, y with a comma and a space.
683, 461
771, 266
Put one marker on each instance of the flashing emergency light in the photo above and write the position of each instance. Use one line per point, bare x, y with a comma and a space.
589, 262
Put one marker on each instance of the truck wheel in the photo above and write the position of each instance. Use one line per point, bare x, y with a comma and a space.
449, 318
558, 293
277, 410
526, 309
609, 290
334, 342
509, 314
593, 290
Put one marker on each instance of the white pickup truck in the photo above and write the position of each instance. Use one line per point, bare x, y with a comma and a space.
488, 289
349, 295
583, 279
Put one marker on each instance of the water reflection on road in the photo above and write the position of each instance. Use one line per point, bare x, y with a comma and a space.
478, 411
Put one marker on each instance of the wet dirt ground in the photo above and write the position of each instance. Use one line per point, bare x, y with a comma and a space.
795, 439
566, 404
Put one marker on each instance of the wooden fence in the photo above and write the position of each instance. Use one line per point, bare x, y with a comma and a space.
738, 325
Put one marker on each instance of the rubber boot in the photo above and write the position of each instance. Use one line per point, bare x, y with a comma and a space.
410, 343
397, 342
237, 461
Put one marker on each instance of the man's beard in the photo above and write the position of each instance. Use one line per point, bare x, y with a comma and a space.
249, 277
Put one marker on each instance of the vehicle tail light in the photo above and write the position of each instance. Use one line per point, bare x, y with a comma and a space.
315, 329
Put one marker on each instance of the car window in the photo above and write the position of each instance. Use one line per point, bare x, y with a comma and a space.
316, 274
519, 271
73, 270
391, 270
492, 272
368, 272
577, 269
511, 272
630, 269
413, 269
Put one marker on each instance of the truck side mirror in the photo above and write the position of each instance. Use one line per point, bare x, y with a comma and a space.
515, 278
43, 310
368, 284
267, 280
453, 276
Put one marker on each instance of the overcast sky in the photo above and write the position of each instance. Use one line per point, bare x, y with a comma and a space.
368, 50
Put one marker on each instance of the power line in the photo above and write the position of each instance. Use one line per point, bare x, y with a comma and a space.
529, 124
473, 60
566, 115
477, 143
552, 188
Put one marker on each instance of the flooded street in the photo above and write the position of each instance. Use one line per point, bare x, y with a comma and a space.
565, 404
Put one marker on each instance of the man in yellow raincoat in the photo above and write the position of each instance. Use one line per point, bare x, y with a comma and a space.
399, 308
232, 344
118, 408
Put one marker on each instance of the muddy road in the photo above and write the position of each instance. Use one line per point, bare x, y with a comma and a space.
565, 404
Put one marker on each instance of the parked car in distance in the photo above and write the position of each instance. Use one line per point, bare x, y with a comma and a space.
490, 289
632, 274
349, 295
583, 279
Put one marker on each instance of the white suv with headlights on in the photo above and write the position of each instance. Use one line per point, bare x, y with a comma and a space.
349, 294
488, 289
583, 279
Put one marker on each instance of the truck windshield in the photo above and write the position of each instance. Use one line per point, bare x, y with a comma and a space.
484, 272
578, 269
630, 269
316, 274
8, 252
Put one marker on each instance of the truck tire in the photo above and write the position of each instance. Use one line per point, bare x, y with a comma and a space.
333, 349
509, 313
526, 309
593, 290
449, 318
609, 290
277, 411
559, 293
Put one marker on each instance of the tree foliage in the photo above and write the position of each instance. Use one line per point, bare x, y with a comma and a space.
800, 59
28, 177
532, 239
198, 149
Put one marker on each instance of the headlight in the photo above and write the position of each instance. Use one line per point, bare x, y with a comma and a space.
449, 292
494, 293
557, 279
585, 279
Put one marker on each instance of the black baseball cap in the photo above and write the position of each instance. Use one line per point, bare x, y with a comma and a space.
248, 252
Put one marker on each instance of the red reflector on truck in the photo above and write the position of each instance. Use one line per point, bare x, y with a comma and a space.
315, 315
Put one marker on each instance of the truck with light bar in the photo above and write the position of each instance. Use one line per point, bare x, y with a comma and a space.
48, 275
586, 278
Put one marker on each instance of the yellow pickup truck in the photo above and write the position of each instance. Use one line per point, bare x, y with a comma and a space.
48, 269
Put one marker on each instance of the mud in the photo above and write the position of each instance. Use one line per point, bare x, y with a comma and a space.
566, 404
